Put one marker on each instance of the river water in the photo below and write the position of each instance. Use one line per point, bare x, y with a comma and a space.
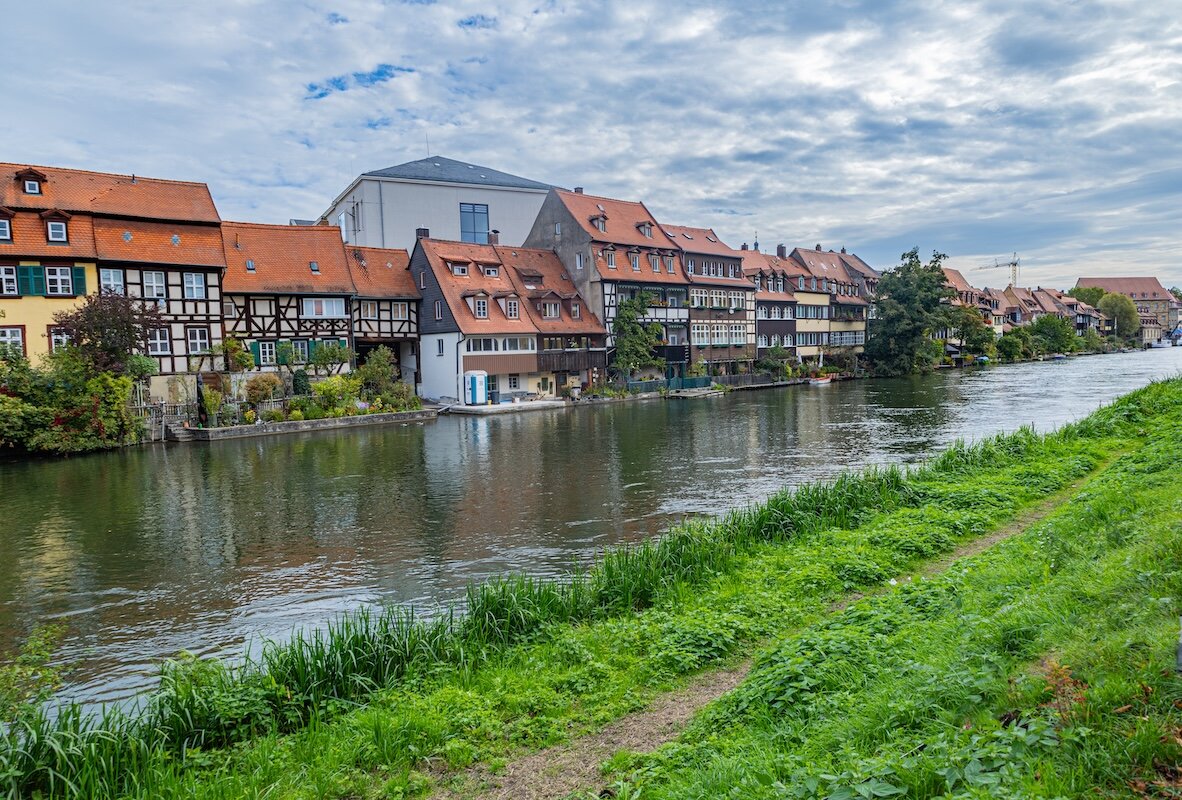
148, 551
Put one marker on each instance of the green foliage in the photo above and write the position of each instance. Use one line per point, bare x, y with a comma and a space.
264, 386
27, 678
378, 374
236, 358
330, 358
108, 328
211, 400
908, 308
301, 384
1123, 312
634, 340
696, 370
1053, 334
1091, 341
1088, 294
970, 328
336, 392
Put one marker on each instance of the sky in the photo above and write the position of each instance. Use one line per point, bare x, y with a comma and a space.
978, 129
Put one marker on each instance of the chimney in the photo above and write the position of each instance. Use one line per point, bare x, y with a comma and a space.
818, 247
578, 190
494, 237
843, 249
422, 233
781, 251
744, 247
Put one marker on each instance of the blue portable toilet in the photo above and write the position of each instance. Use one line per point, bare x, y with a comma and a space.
476, 387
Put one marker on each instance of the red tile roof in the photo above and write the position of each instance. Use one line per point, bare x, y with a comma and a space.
158, 242
538, 273
29, 238
457, 288
282, 255
957, 281
704, 241
1139, 288
842, 267
379, 272
109, 194
757, 263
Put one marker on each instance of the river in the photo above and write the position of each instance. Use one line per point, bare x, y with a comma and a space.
148, 551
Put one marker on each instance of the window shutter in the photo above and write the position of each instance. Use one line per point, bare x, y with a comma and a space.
312, 347
79, 281
38, 274
345, 343
280, 355
257, 352
24, 280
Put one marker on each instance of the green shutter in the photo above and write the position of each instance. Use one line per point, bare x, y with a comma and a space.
312, 347
24, 280
38, 274
280, 355
257, 353
79, 281
345, 343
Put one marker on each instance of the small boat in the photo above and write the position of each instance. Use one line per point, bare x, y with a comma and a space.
820, 381
982, 359
1058, 357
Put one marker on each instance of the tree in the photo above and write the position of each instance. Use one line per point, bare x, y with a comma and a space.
1009, 346
970, 328
238, 358
1176, 291
108, 329
379, 372
1053, 334
330, 357
908, 307
634, 340
1091, 341
1122, 312
1088, 294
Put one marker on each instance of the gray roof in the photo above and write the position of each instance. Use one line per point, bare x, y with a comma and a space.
451, 171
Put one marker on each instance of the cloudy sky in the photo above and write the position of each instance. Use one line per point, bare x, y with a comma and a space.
974, 128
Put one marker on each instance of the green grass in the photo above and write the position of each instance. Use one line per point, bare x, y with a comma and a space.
357, 709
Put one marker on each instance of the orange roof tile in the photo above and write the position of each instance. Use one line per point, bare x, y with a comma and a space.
841, 267
705, 241
379, 272
29, 238
282, 255
457, 288
535, 273
109, 194
159, 242
1141, 288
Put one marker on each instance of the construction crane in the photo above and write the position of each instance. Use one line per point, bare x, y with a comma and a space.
1012, 265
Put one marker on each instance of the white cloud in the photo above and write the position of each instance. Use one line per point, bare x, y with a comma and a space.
973, 128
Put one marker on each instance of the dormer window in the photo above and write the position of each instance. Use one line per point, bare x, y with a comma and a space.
5, 230
492, 272
314, 266
511, 308
635, 258
654, 261
647, 229
55, 231
610, 257
800, 282
689, 266
669, 264
459, 269
574, 311
32, 187
481, 308
758, 283
600, 223
550, 311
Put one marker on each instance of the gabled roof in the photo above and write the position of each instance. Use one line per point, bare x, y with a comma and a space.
842, 267
448, 170
282, 257
705, 242
455, 288
537, 273
158, 242
379, 272
1046, 301
957, 280
757, 263
1150, 287
109, 194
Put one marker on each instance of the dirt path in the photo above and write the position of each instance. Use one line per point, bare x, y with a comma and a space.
558, 771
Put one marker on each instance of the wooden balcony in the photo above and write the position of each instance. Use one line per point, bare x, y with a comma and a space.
571, 360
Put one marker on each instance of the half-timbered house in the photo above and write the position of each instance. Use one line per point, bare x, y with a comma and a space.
386, 307
850, 284
286, 283
775, 302
721, 301
614, 250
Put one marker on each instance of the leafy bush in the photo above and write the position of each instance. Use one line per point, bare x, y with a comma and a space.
378, 374
212, 400
336, 392
300, 382
264, 386
296, 415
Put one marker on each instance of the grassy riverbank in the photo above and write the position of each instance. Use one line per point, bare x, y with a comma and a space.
366, 708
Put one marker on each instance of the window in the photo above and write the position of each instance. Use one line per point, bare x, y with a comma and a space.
481, 345
56, 231
762, 342
514, 382
552, 343
423, 279
154, 286
689, 266
738, 335
574, 311
32, 187
610, 255
481, 308
459, 269
511, 308
719, 334
519, 343
341, 225
675, 299
647, 229
439, 315
787, 340
761, 312
229, 310
492, 272
267, 354
578, 261
698, 297
438, 347
654, 261
58, 281
474, 223
199, 340
550, 311
8, 280
299, 351
158, 342
673, 336
323, 306
250, 265
369, 309
700, 332
669, 264
775, 340
5, 230
111, 280
58, 338
601, 224
194, 286
736, 299
13, 339
775, 312
635, 258
399, 311
787, 312
557, 228
800, 282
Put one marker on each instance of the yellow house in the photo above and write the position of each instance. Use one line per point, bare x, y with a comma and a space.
27, 305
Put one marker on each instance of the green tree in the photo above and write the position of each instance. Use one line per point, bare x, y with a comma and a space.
378, 374
908, 307
1053, 334
635, 340
1088, 294
1091, 341
969, 327
1009, 346
1121, 310
330, 358
108, 328
1176, 291
237, 357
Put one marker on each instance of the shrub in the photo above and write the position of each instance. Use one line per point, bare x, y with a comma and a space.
263, 386
296, 415
250, 416
378, 374
400, 397
336, 392
300, 382
274, 415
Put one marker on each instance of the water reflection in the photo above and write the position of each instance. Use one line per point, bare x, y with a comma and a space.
157, 549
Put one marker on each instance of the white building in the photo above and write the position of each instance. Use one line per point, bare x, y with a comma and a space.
455, 200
